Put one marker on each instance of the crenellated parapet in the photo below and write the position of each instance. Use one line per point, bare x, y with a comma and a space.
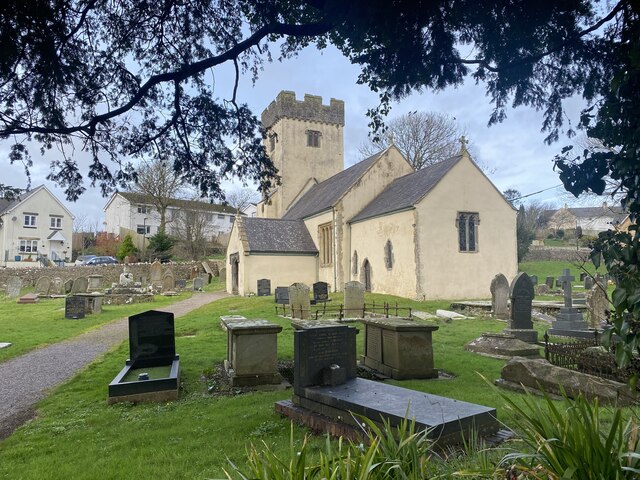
310, 109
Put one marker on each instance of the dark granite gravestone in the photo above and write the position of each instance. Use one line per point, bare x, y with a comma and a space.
521, 294
152, 347
569, 322
181, 283
198, 283
316, 349
327, 394
534, 279
320, 292
282, 295
583, 275
74, 307
264, 287
549, 281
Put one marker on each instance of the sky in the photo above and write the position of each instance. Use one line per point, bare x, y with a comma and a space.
514, 150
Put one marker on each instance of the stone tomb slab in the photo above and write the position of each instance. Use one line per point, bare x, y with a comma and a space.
152, 372
446, 419
399, 348
252, 353
28, 298
500, 345
226, 320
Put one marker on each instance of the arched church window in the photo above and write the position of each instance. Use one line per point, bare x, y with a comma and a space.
467, 223
313, 138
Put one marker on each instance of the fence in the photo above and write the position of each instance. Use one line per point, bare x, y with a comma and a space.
340, 312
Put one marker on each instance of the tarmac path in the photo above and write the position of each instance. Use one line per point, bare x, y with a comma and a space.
25, 380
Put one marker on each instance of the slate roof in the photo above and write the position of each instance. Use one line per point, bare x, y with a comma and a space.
406, 191
6, 204
617, 213
325, 194
270, 235
142, 199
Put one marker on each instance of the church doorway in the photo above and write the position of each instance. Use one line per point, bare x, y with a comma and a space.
365, 275
234, 259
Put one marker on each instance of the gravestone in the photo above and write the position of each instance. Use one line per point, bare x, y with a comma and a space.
354, 299
264, 287
43, 284
252, 353
80, 285
542, 289
583, 275
57, 286
282, 295
74, 307
14, 284
92, 301
321, 292
95, 282
28, 298
598, 306
168, 282
500, 296
155, 274
198, 283
549, 281
206, 278
68, 286
181, 283
317, 350
299, 301
325, 383
569, 322
534, 279
194, 273
588, 283
152, 372
215, 269
399, 348
521, 294
223, 274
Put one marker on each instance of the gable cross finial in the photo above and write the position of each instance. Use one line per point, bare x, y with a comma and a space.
463, 143
391, 139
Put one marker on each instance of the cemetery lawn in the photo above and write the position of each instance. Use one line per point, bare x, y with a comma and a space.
30, 326
77, 435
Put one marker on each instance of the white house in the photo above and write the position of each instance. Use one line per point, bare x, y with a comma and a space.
34, 226
133, 211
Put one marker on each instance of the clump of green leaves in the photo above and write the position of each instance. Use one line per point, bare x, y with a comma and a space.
126, 248
571, 440
389, 453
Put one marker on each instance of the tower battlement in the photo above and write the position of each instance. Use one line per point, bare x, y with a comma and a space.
310, 109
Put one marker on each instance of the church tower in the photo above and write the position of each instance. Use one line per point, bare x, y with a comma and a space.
305, 141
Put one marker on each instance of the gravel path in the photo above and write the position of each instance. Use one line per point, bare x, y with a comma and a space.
25, 380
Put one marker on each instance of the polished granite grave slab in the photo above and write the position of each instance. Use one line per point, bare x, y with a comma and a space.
447, 420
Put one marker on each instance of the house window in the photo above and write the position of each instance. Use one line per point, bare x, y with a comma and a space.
231, 219
56, 222
313, 138
30, 220
28, 246
354, 263
467, 223
143, 229
143, 209
325, 241
220, 217
388, 255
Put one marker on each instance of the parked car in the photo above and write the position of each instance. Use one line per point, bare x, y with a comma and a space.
101, 261
83, 259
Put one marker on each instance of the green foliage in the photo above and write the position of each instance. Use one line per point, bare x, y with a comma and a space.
387, 453
572, 440
160, 245
127, 248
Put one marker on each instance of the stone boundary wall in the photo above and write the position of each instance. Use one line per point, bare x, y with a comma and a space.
110, 273
557, 253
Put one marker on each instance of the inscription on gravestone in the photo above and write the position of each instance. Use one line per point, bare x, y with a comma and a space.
282, 295
317, 349
264, 287
74, 308
321, 291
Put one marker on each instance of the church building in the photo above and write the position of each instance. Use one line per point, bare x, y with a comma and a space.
442, 232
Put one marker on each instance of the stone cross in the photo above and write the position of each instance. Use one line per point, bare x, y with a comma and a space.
566, 280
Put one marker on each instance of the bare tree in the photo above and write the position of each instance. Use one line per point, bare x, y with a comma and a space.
193, 232
159, 183
240, 198
424, 138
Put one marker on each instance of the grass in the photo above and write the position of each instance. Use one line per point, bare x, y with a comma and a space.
76, 435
